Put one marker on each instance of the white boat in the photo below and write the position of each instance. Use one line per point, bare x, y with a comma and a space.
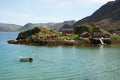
25, 58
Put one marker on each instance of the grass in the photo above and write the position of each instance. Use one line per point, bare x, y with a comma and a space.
115, 36
62, 37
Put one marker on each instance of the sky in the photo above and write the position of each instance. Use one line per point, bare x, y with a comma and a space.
43, 11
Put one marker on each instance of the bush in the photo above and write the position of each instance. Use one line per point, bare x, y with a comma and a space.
62, 37
115, 36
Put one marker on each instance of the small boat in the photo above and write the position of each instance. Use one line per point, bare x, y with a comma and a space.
25, 59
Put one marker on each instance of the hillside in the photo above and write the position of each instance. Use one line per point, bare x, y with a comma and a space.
107, 16
55, 26
8, 27
65, 26
37, 33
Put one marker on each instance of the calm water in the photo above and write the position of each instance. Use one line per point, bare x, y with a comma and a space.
58, 63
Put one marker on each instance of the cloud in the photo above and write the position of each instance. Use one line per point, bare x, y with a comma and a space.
73, 4
23, 18
48, 10
90, 2
13, 14
48, 19
63, 5
66, 4
14, 17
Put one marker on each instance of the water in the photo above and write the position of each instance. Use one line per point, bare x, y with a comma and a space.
58, 63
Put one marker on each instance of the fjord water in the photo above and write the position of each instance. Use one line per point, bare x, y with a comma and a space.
58, 63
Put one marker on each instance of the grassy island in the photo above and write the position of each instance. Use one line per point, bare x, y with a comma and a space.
83, 35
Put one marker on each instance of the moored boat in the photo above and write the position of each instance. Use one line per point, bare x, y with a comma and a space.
25, 59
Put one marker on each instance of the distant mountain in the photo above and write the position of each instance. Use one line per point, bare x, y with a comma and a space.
107, 16
56, 26
31, 25
66, 26
8, 27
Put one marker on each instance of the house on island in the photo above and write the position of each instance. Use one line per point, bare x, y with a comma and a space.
52, 37
67, 30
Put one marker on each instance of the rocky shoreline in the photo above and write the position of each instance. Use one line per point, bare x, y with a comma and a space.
57, 42
117, 41
51, 42
40, 36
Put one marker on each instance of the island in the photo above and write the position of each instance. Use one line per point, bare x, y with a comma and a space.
83, 35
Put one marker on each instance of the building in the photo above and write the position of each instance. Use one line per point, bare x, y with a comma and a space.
67, 31
52, 36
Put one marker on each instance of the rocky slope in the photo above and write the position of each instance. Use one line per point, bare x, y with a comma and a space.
107, 16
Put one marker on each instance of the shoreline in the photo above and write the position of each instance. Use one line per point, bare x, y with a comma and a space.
58, 42
51, 42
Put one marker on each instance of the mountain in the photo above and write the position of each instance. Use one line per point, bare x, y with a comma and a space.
8, 27
32, 25
58, 26
66, 26
55, 26
107, 16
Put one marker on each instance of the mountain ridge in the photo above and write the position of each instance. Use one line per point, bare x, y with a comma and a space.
107, 16
5, 27
51, 25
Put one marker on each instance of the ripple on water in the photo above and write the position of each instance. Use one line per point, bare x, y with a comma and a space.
58, 63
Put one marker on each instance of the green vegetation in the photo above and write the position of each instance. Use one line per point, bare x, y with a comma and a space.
90, 28
115, 36
41, 33
80, 29
62, 37
36, 33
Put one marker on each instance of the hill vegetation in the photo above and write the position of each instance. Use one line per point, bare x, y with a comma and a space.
88, 28
36, 33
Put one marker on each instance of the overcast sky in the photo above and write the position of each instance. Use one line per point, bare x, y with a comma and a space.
43, 11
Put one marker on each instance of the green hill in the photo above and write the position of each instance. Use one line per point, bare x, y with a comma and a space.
88, 28
36, 33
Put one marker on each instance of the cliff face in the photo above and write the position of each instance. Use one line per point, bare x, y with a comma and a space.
107, 16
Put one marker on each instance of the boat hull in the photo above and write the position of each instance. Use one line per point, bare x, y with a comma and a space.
26, 59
